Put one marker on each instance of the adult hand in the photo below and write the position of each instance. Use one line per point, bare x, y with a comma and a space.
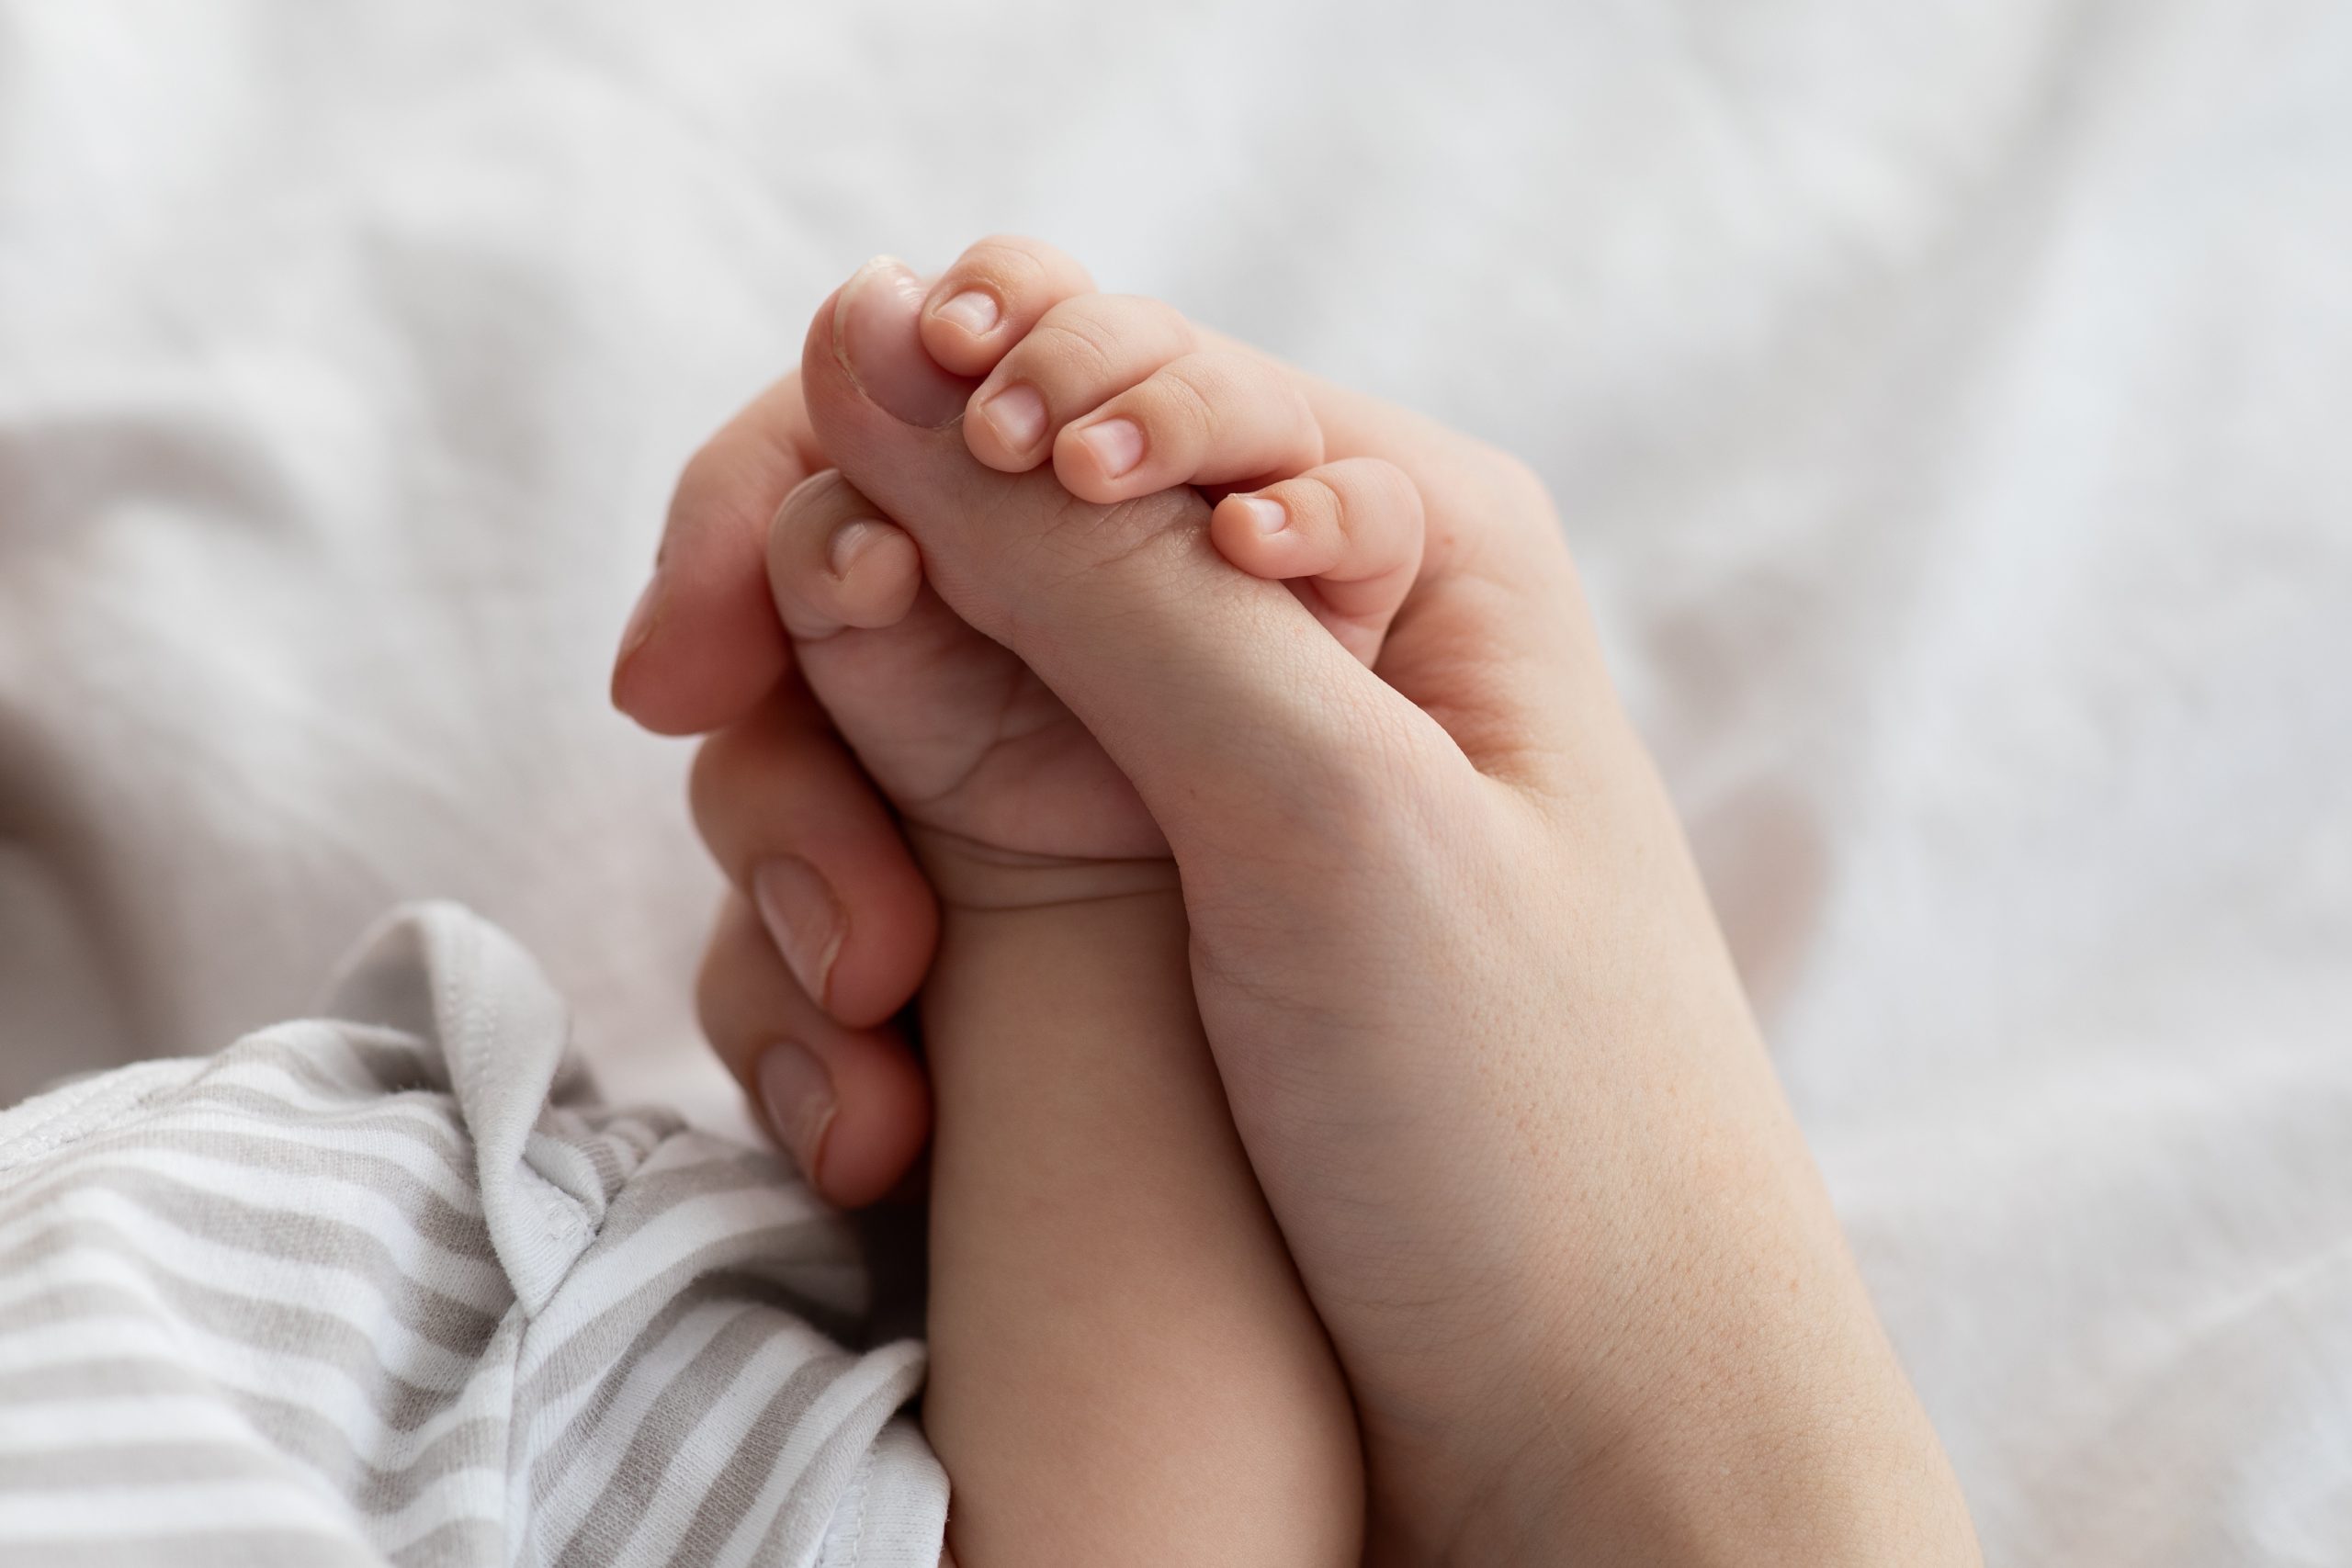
828, 927
1474, 1024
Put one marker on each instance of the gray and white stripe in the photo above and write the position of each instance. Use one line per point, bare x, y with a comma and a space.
395, 1290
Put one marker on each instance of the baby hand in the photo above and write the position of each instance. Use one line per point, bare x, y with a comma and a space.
1009, 799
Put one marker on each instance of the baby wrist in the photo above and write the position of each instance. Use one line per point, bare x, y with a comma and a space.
971, 878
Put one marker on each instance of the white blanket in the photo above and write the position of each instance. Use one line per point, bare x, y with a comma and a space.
1946, 400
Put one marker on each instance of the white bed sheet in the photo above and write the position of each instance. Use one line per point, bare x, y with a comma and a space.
1946, 402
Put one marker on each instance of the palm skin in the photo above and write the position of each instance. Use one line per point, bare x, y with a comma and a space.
970, 746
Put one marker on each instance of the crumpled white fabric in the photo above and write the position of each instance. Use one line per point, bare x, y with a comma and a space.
1944, 402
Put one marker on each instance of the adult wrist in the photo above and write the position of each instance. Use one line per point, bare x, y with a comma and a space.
1812, 1454
1704, 1380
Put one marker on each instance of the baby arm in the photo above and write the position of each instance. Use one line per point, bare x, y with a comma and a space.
1125, 1369
1125, 1366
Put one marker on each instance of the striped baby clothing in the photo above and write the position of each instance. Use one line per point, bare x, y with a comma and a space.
395, 1288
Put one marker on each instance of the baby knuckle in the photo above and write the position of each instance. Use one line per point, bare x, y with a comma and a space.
1515, 483
1137, 328
1317, 505
1388, 488
1181, 404
1091, 567
1174, 326
1006, 258
1066, 347
1005, 240
1148, 332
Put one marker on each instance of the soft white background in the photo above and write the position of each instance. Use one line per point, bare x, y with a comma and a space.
1947, 402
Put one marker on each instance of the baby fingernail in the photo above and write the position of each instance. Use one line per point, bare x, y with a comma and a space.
972, 311
849, 541
1017, 414
803, 918
1117, 445
1266, 516
796, 1092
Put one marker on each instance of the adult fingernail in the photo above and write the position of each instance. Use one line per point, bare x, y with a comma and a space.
1017, 414
974, 311
1117, 445
640, 620
796, 1092
804, 919
1266, 516
878, 323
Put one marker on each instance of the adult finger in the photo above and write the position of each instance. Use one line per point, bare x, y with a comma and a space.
799, 830
703, 644
850, 1105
